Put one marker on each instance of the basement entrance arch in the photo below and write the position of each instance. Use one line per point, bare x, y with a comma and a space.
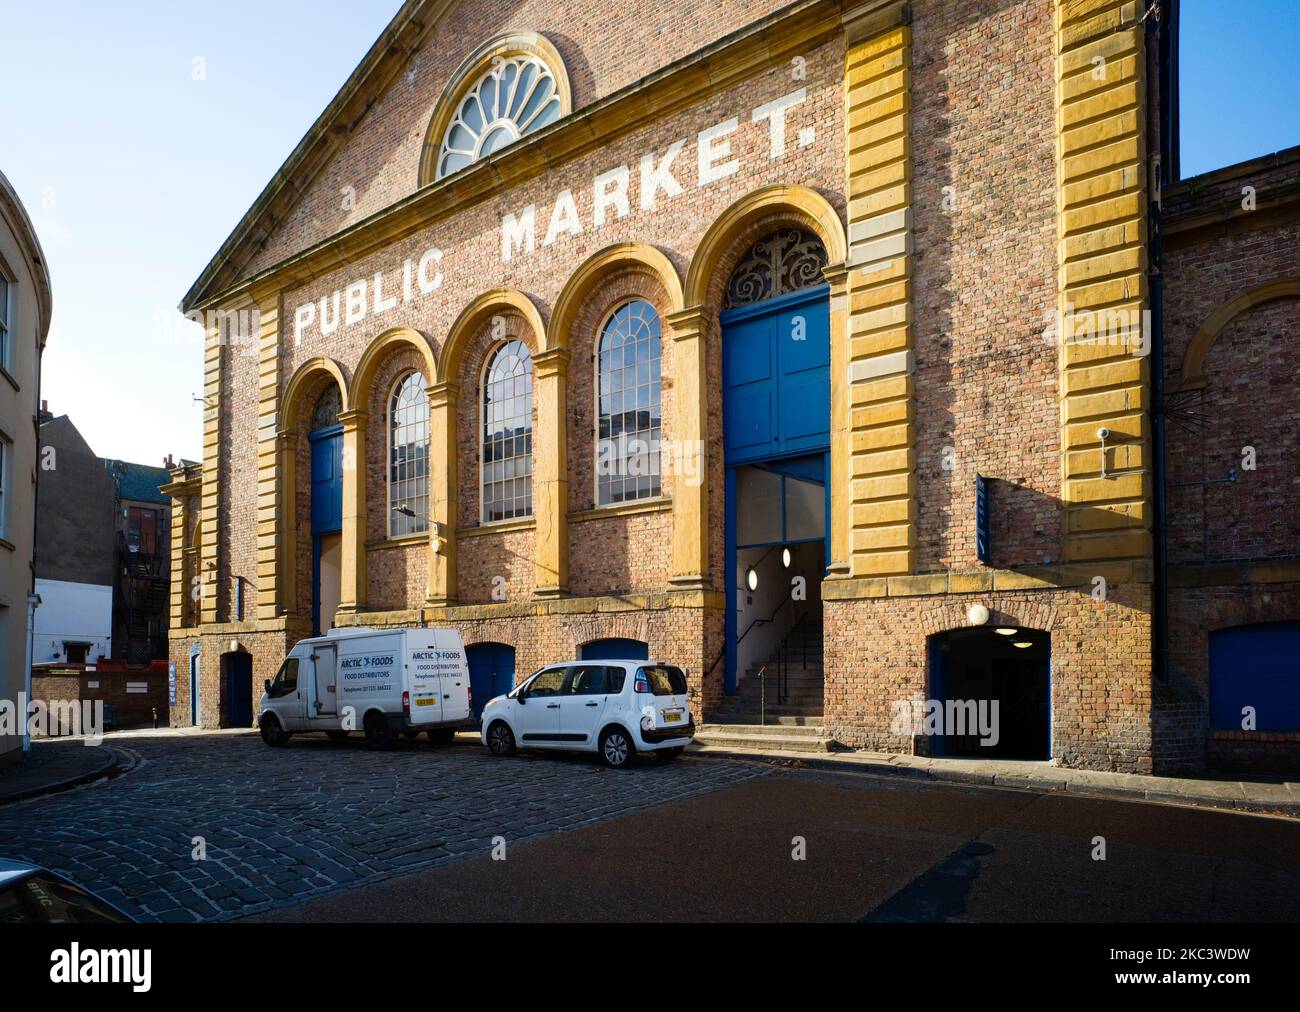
990, 692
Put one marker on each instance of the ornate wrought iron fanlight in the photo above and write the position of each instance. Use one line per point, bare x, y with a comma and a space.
785, 261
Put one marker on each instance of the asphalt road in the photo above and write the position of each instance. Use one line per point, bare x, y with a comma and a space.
875, 849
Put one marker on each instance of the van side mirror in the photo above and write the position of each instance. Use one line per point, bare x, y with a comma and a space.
521, 699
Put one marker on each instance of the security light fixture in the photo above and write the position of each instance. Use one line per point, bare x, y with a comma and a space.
751, 578
977, 614
406, 511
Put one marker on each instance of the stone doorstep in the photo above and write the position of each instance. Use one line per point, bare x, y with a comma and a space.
1277, 799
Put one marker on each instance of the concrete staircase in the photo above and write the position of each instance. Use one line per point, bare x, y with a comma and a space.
755, 718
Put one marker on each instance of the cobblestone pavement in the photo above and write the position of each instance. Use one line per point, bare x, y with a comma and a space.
280, 826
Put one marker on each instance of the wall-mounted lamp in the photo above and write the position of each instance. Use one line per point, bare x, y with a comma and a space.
786, 557
751, 578
1022, 644
977, 614
1103, 434
1006, 632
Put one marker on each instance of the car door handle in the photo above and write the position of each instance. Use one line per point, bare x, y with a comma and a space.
552, 706
593, 704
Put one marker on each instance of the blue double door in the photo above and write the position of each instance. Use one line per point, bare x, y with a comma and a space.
776, 430
491, 672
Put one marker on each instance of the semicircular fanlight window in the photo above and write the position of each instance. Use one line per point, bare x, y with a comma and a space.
517, 96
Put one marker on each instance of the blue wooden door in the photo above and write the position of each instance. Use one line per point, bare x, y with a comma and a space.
776, 358
327, 480
615, 650
491, 672
1256, 666
239, 690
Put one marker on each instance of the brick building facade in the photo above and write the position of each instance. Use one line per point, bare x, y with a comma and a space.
975, 184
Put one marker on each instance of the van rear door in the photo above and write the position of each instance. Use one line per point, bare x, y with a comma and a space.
423, 683
455, 676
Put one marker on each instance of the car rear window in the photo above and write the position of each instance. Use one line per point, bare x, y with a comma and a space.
665, 680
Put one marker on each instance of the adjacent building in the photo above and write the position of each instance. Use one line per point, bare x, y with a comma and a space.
103, 554
74, 549
25, 305
834, 345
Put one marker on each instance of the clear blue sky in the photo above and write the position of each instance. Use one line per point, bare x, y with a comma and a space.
135, 172
1239, 79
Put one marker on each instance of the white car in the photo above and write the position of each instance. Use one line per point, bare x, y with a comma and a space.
615, 708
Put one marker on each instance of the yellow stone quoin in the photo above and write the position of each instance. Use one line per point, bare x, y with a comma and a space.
1101, 326
881, 476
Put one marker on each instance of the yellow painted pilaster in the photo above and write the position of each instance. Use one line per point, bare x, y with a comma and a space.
841, 449
186, 484
286, 454
1103, 297
690, 473
268, 485
352, 569
210, 497
877, 515
551, 474
442, 494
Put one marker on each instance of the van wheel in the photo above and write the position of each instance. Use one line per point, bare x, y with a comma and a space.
336, 735
272, 733
667, 755
442, 736
501, 740
616, 749
378, 734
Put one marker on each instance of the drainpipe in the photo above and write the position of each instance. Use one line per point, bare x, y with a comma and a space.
33, 602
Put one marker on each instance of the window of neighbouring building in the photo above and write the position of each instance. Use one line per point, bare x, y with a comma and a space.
142, 530
628, 416
4, 488
408, 457
5, 309
516, 97
508, 434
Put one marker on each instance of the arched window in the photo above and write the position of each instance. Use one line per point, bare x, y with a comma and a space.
508, 434
408, 457
628, 416
517, 96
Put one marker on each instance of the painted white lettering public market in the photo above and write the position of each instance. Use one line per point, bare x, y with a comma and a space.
658, 176
611, 198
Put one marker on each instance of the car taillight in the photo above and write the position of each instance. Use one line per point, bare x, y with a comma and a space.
406, 703
469, 696
643, 685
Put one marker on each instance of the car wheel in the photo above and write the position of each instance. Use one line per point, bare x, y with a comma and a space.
378, 734
616, 749
501, 740
336, 735
667, 755
442, 736
272, 733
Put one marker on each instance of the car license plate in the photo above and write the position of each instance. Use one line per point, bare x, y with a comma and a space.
426, 702
672, 716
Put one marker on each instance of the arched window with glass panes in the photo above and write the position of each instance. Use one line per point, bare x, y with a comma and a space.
628, 417
408, 457
516, 97
507, 468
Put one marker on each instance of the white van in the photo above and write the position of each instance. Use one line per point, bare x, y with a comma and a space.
384, 682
